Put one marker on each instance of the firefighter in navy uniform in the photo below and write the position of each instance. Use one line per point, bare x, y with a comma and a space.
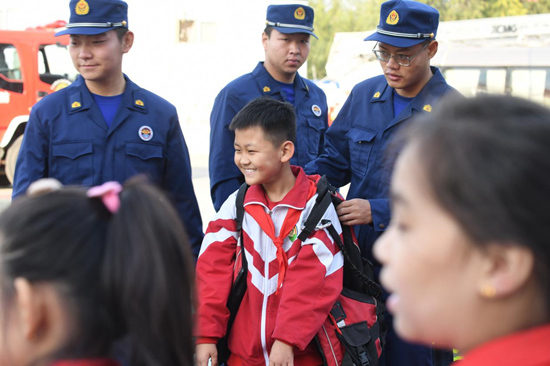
355, 144
286, 44
103, 127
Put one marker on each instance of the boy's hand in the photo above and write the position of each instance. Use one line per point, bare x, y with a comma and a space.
204, 352
281, 354
356, 211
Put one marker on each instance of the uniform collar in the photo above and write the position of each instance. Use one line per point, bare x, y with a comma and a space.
432, 92
270, 86
296, 197
80, 98
424, 101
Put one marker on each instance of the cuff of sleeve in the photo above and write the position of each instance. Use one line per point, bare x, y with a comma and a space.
380, 209
283, 337
204, 340
285, 342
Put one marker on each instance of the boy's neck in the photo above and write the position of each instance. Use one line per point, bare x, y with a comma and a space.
107, 88
278, 189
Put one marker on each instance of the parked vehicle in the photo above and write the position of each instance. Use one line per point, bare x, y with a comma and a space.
33, 64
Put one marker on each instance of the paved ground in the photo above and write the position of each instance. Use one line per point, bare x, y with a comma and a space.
201, 183
5, 197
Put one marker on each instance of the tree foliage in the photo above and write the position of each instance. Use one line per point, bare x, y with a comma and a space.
333, 16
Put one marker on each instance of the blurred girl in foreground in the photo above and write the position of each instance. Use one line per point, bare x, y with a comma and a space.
85, 275
467, 254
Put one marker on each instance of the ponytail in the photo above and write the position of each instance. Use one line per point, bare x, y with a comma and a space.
147, 278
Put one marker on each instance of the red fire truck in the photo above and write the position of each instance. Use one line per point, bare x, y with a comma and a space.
33, 63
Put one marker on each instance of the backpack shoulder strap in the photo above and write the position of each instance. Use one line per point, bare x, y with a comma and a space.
239, 204
323, 201
351, 253
238, 288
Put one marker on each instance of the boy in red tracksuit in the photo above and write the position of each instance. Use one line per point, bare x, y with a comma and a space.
291, 285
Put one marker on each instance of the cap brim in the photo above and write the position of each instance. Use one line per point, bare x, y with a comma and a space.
395, 41
286, 30
88, 31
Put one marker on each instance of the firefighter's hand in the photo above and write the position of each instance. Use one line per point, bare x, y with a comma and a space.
356, 211
205, 352
281, 354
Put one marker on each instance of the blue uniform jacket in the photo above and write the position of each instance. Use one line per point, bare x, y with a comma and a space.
311, 119
67, 138
355, 146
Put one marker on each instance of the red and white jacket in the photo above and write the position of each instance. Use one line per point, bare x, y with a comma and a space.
295, 312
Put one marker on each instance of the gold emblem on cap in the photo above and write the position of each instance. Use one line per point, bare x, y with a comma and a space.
300, 13
267, 89
393, 18
376, 95
427, 108
82, 8
139, 102
76, 105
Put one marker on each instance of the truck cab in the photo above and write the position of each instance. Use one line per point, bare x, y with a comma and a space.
33, 64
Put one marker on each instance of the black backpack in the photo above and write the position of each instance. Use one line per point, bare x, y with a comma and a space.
354, 331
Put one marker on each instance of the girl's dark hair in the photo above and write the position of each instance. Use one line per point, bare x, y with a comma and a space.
276, 119
487, 162
126, 278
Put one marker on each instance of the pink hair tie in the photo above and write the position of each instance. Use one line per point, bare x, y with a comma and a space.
109, 194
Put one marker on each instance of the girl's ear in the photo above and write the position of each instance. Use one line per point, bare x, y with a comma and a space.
507, 269
29, 307
287, 151
42, 316
40, 319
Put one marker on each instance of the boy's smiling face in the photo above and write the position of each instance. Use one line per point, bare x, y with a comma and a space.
257, 158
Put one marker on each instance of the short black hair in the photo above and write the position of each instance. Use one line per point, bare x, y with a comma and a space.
486, 162
121, 32
268, 30
276, 119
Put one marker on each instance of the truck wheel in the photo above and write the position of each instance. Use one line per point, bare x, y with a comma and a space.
11, 158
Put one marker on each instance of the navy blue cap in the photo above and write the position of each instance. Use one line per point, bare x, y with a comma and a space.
404, 23
91, 17
293, 18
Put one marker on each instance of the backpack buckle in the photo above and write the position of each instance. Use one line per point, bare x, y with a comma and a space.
363, 358
323, 224
338, 312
